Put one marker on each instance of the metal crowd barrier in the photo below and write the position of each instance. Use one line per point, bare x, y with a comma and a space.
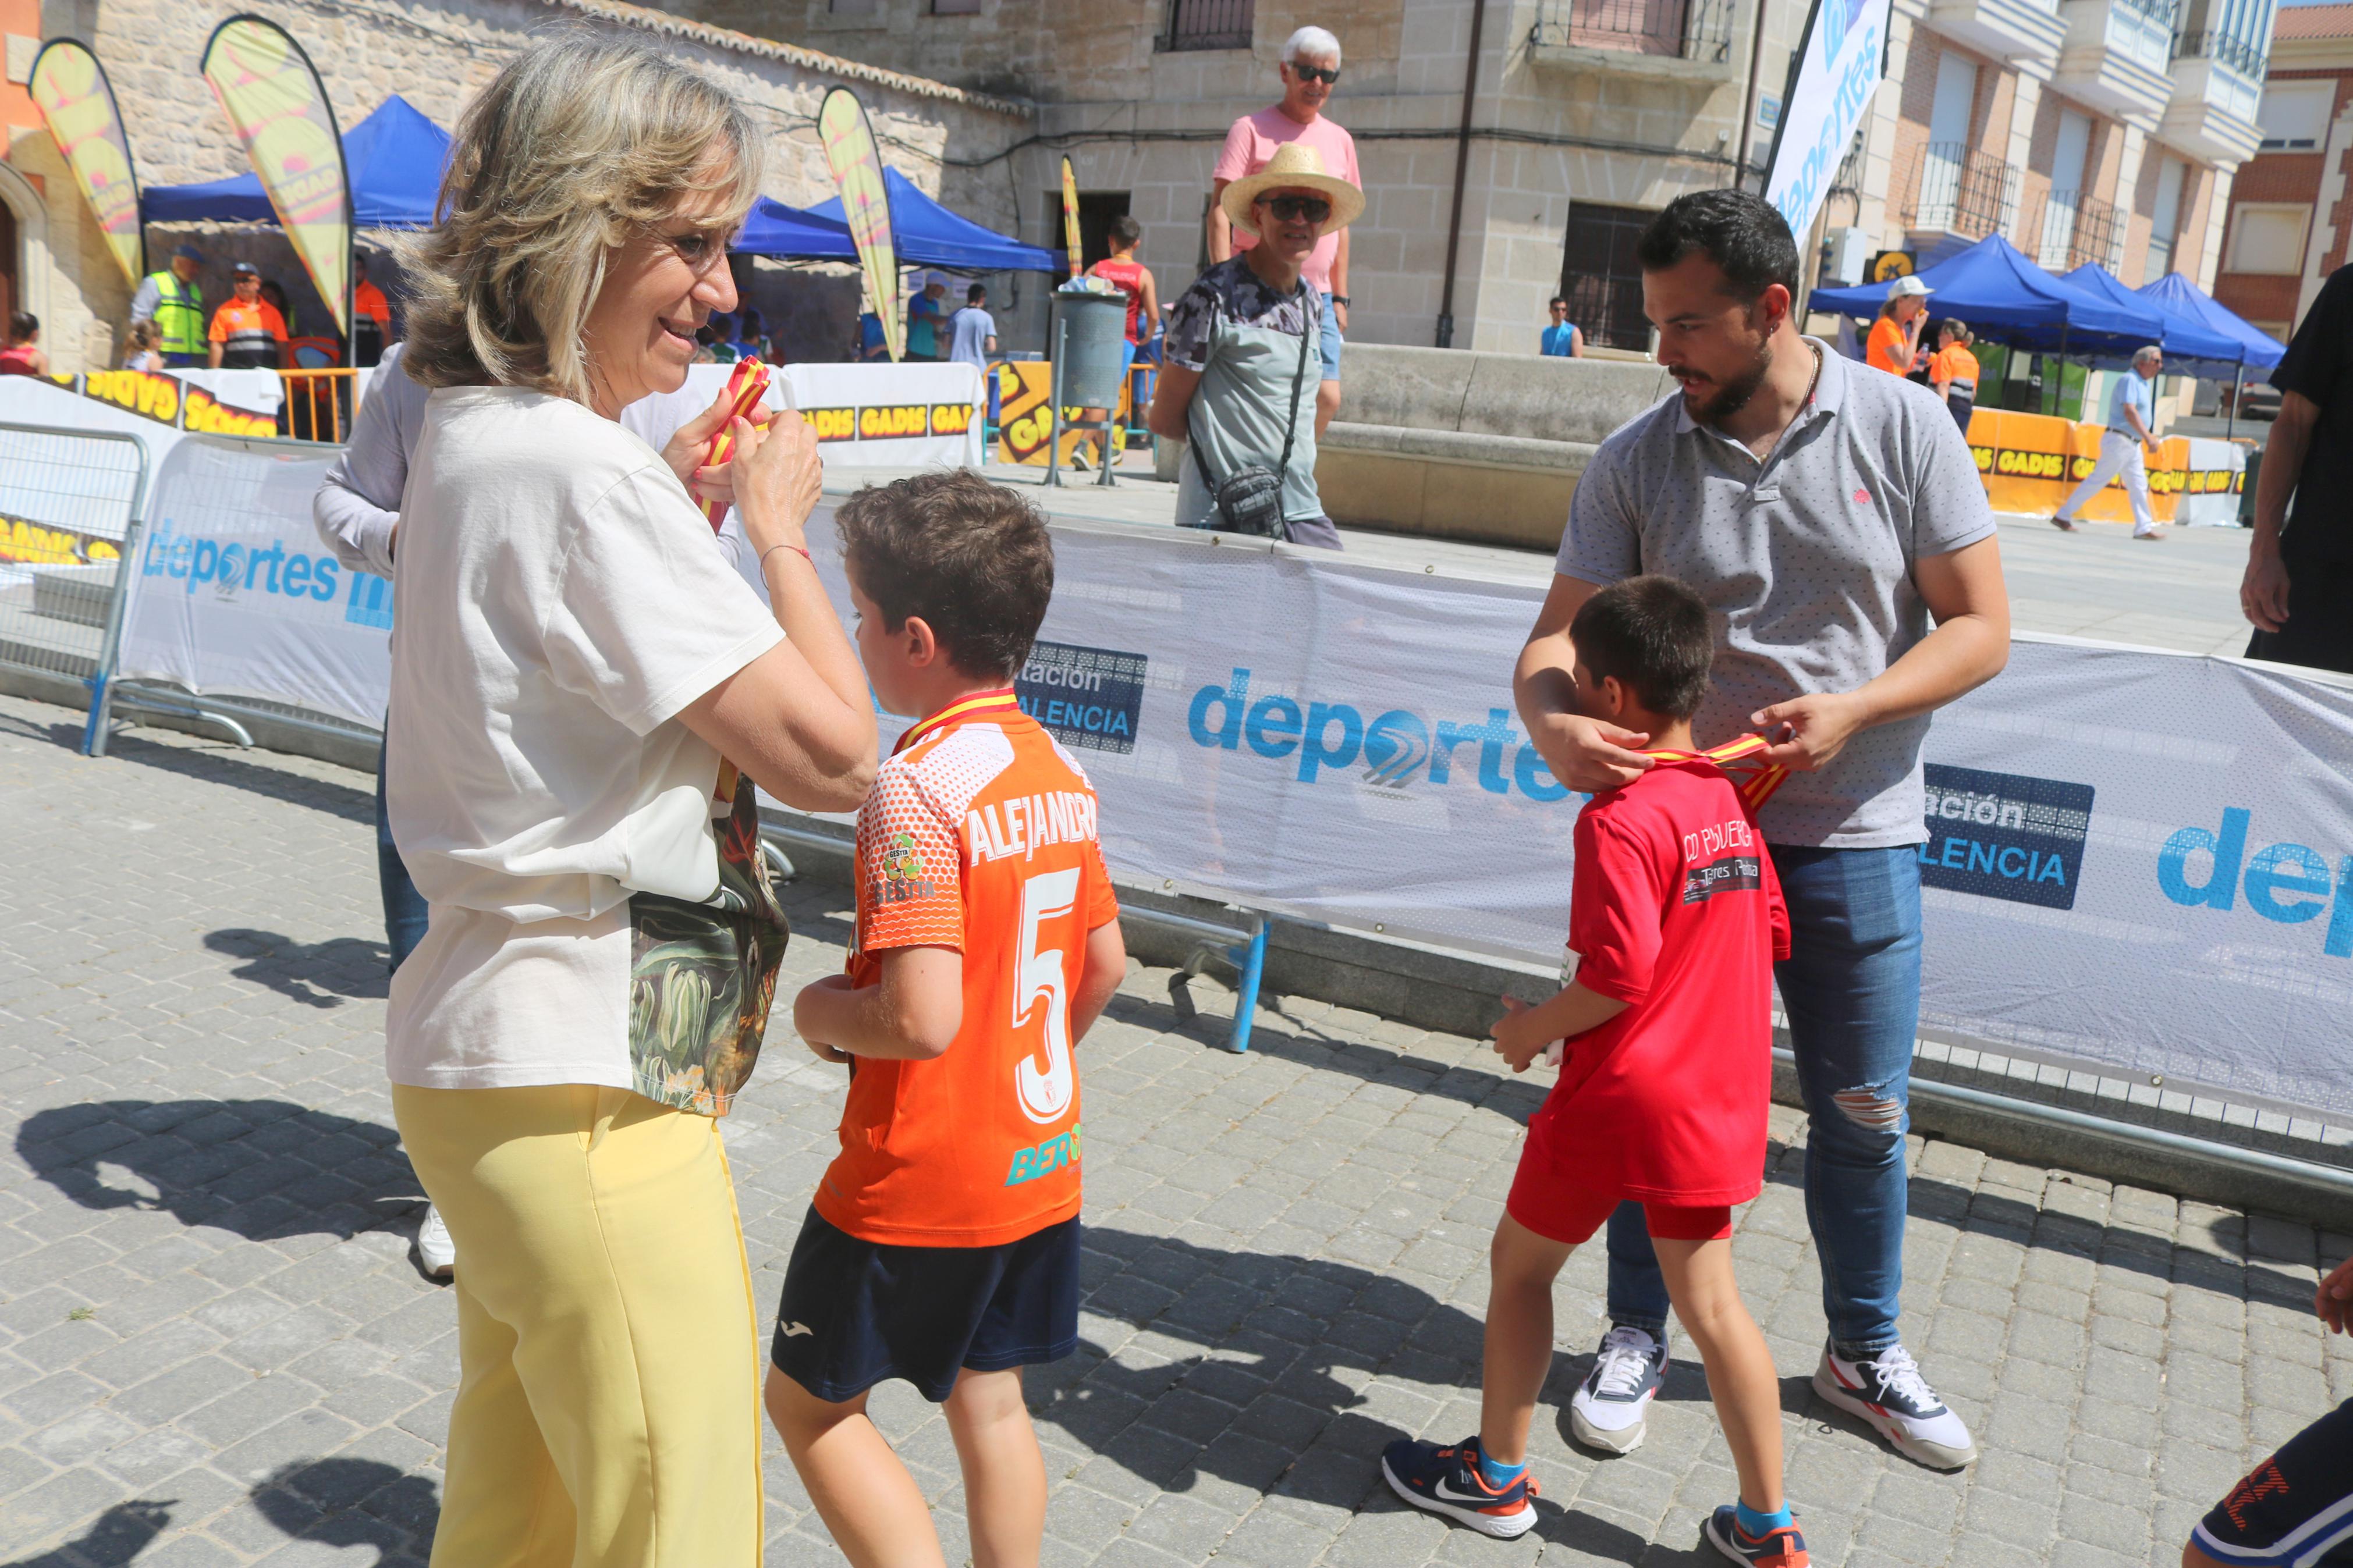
320, 404
71, 503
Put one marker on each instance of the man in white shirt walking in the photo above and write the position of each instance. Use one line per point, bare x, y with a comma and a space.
2132, 416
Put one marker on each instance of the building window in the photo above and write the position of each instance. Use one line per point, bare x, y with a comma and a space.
1096, 209
1600, 277
2268, 238
2295, 115
1208, 25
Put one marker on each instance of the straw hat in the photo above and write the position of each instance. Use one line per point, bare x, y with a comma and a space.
1295, 166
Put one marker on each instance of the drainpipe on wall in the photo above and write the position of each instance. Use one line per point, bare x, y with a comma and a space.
1748, 99
1461, 169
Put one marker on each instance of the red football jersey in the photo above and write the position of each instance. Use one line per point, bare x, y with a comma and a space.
1675, 911
979, 836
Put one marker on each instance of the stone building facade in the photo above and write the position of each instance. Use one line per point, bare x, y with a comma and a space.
2102, 130
1587, 116
2291, 220
436, 54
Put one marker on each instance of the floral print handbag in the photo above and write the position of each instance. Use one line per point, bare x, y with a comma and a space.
702, 976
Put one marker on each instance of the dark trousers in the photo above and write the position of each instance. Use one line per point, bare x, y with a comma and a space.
2319, 630
404, 906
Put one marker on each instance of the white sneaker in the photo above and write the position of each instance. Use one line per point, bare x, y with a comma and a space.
435, 1251
1612, 1406
1891, 1394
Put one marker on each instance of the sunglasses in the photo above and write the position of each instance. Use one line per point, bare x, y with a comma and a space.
1316, 73
1290, 209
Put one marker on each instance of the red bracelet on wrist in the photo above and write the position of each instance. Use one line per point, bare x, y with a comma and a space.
794, 548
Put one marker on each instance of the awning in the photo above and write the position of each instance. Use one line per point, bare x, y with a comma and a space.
2006, 299
2191, 347
929, 234
789, 234
395, 157
2176, 293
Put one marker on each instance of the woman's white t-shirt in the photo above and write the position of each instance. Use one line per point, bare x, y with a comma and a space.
560, 602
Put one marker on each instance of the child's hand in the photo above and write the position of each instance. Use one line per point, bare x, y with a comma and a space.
1517, 1041
2334, 1300
812, 1007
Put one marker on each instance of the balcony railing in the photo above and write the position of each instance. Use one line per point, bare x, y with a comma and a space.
1958, 189
2246, 56
1684, 30
1209, 25
2075, 228
2161, 11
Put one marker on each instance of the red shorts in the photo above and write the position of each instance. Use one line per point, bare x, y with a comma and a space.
1558, 1208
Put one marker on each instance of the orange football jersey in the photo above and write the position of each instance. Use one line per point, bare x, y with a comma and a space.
979, 836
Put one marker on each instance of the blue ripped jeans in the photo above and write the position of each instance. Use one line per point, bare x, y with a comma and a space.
1851, 989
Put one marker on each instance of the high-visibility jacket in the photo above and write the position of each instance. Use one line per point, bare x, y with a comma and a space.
179, 313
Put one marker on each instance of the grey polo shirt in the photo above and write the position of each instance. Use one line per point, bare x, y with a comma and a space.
1805, 560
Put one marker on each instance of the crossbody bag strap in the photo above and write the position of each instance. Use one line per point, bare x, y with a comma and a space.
1298, 382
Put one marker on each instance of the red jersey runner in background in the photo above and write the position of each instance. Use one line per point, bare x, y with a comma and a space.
1126, 274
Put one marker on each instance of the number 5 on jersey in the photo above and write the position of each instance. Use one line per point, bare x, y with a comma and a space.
1045, 1090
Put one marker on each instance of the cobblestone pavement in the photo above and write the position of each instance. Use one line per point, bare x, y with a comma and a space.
215, 1347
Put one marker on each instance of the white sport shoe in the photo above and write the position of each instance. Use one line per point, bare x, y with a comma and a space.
1891, 1394
434, 1250
1612, 1406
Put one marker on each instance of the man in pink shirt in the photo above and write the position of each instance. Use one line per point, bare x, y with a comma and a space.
1311, 65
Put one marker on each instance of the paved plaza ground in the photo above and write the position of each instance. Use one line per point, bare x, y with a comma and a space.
216, 1349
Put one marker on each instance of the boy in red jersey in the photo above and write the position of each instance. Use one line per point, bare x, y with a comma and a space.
1676, 918
943, 1244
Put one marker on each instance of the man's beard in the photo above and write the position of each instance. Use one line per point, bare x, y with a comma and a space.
1733, 395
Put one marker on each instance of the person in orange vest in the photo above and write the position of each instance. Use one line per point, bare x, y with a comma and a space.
1953, 372
1894, 343
1123, 271
247, 333
371, 316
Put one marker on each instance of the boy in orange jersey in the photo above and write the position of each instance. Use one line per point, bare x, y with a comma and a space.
943, 1244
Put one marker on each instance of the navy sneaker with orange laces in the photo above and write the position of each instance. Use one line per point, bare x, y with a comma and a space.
1447, 1481
1780, 1548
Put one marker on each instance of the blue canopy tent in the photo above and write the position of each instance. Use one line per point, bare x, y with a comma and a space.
928, 234
2007, 299
395, 155
2191, 347
2176, 294
789, 234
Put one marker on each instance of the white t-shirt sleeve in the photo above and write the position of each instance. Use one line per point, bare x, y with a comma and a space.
646, 615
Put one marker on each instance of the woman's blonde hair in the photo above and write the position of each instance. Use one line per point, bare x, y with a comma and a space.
579, 144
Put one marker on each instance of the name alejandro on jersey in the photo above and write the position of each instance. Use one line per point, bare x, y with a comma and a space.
1026, 825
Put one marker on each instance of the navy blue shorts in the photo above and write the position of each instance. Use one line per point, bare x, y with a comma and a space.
2297, 1507
856, 1313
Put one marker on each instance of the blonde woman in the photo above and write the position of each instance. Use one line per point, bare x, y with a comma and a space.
575, 671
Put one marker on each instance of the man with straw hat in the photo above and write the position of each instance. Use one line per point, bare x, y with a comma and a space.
1241, 358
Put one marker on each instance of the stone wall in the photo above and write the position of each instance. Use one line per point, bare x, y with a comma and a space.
437, 54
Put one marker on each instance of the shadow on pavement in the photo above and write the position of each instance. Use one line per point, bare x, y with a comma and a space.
317, 974
114, 1538
353, 1502
214, 761
261, 1168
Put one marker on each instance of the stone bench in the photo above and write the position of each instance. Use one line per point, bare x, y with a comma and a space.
1465, 444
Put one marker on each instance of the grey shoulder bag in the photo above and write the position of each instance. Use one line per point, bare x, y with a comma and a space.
1250, 499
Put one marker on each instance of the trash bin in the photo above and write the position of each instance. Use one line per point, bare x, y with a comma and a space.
1090, 335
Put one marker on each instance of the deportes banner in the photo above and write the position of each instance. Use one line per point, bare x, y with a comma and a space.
231, 593
1840, 66
2137, 864
857, 167
77, 105
272, 96
1071, 216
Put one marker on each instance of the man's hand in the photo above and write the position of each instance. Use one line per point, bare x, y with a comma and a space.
818, 1000
778, 480
1811, 729
1517, 1039
2262, 592
2334, 1300
688, 448
1589, 754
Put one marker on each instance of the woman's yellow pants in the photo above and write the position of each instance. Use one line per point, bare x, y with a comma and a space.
608, 1411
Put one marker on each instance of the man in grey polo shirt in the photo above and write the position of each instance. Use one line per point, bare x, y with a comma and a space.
1825, 514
